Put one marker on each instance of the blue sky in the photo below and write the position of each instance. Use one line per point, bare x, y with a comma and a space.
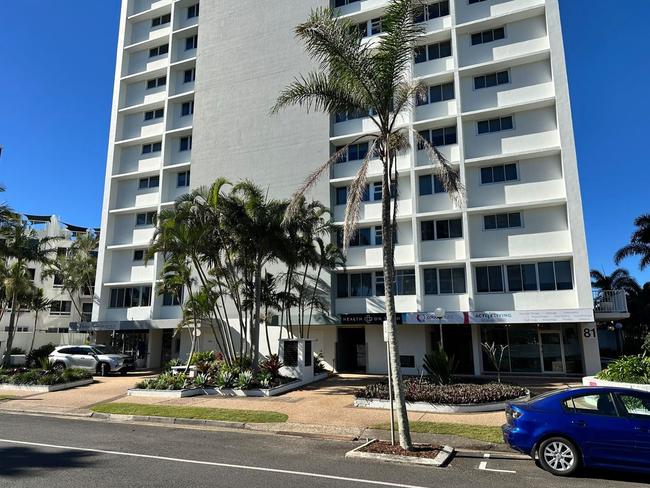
57, 81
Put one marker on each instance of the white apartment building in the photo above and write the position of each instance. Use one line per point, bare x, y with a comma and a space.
52, 325
510, 266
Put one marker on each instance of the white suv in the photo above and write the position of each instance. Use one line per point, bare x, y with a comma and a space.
91, 359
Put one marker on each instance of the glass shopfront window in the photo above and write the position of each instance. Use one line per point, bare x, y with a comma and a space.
533, 348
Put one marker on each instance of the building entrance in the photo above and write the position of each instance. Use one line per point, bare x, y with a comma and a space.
351, 350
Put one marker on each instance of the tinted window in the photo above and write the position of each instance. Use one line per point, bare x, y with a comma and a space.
636, 405
600, 404
546, 276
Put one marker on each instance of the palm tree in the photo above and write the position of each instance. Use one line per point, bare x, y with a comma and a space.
76, 268
370, 78
37, 303
639, 243
619, 279
21, 245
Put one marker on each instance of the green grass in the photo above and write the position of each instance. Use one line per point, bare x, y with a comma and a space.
485, 433
229, 415
6, 397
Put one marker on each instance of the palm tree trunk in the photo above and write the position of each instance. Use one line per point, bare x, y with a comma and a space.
255, 329
266, 327
389, 278
10, 336
313, 297
31, 346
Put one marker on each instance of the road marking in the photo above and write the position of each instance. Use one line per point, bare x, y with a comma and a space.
483, 466
209, 463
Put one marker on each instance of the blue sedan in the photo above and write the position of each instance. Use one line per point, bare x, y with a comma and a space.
591, 427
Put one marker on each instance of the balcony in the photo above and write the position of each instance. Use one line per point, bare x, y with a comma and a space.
610, 305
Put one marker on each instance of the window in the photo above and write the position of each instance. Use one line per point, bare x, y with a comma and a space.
431, 11
497, 174
138, 255
521, 277
636, 406
146, 218
191, 42
488, 36
444, 229
183, 179
437, 93
154, 147
154, 114
189, 75
431, 281
187, 108
546, 276
452, 280
432, 51
489, 279
60, 330
502, 221
407, 361
156, 82
563, 279
150, 182
342, 285
61, 252
380, 290
405, 282
193, 11
173, 299
492, 79
475, 1
162, 20
379, 235
158, 50
360, 237
358, 114
342, 3
58, 280
137, 296
495, 125
32, 274
86, 312
354, 152
438, 137
599, 404
60, 307
342, 195
360, 284
186, 143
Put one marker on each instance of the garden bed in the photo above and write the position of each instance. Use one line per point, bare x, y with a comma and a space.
426, 454
424, 396
39, 380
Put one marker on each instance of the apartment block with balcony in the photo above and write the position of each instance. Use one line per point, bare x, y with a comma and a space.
508, 266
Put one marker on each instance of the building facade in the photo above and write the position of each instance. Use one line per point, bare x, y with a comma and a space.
193, 92
52, 326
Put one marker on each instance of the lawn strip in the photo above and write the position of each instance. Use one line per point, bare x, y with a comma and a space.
485, 433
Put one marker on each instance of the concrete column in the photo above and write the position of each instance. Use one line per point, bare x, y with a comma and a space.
590, 349
476, 348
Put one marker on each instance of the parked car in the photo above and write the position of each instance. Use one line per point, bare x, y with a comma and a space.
90, 358
583, 427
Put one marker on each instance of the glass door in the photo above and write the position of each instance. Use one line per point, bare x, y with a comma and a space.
552, 351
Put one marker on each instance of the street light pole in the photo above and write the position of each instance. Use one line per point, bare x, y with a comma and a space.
440, 314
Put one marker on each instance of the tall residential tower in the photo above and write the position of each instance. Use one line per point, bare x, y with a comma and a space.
192, 95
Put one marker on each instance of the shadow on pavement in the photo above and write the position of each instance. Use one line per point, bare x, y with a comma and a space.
602, 474
21, 460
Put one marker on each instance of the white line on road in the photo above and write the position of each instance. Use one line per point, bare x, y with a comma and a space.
209, 463
483, 466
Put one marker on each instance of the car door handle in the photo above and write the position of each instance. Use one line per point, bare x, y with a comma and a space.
579, 423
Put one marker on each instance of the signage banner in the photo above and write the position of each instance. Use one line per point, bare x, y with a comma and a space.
366, 318
504, 317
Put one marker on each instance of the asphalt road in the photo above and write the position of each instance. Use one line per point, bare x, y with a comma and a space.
51, 452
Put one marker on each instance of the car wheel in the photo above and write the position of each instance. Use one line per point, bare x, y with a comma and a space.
559, 456
58, 366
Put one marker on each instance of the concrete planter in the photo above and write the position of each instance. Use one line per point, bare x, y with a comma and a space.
45, 388
438, 408
225, 392
438, 462
593, 381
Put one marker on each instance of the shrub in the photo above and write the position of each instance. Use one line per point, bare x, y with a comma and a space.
17, 350
35, 356
319, 364
225, 379
165, 381
167, 366
201, 380
264, 380
244, 380
422, 390
202, 357
440, 366
646, 344
24, 376
272, 365
627, 369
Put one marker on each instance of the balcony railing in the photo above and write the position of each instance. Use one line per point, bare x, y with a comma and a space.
610, 301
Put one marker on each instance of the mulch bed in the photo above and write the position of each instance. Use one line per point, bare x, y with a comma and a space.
385, 447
